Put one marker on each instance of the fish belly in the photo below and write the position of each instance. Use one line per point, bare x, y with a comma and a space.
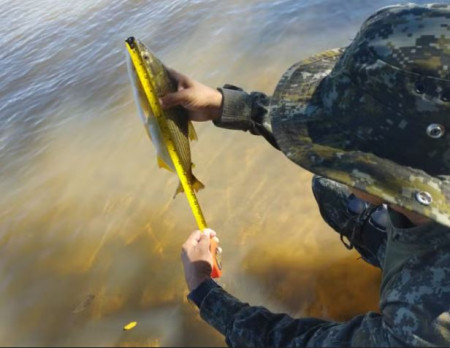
158, 141
149, 120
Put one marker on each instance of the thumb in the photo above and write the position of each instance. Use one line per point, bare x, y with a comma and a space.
174, 99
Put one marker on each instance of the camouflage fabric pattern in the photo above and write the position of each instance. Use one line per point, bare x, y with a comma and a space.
362, 115
360, 224
414, 298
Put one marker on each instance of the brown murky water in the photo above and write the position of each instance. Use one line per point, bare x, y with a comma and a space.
89, 234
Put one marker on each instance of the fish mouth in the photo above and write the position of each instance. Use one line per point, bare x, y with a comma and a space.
131, 41
137, 46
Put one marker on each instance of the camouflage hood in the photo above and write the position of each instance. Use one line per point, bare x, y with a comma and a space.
376, 115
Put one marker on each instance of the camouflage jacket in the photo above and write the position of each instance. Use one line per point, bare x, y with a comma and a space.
415, 261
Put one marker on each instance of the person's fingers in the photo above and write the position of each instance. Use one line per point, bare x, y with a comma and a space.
211, 232
204, 240
183, 80
175, 99
175, 74
194, 238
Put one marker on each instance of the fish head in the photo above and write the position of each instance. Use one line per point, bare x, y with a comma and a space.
163, 82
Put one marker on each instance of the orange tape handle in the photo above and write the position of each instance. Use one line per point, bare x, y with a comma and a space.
216, 271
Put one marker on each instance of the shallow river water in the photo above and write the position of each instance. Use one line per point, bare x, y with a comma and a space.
90, 236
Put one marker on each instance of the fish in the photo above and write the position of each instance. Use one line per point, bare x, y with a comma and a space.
180, 127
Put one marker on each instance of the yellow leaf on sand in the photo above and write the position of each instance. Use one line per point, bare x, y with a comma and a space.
130, 326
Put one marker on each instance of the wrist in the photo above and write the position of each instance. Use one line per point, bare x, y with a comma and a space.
216, 104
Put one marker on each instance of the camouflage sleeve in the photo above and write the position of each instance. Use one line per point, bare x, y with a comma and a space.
247, 112
415, 294
250, 326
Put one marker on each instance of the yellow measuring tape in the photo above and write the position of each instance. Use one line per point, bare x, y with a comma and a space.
152, 98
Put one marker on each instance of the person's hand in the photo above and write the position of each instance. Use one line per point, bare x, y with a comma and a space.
202, 102
197, 258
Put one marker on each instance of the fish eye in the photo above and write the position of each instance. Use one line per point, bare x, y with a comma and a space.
146, 56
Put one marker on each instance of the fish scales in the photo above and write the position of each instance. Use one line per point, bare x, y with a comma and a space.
178, 127
177, 120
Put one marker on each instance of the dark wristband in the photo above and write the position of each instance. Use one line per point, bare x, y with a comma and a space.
199, 293
236, 109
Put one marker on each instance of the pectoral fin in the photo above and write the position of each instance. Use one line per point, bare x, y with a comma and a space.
162, 164
191, 132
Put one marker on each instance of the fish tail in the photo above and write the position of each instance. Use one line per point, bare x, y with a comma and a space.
196, 186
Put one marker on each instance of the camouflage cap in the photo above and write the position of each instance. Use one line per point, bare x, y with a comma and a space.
376, 115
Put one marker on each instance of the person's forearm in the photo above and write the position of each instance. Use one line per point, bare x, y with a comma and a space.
253, 326
249, 326
246, 112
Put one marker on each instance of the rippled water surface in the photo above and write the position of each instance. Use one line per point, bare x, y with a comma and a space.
89, 233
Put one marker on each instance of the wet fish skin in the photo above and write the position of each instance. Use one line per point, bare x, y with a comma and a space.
180, 128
